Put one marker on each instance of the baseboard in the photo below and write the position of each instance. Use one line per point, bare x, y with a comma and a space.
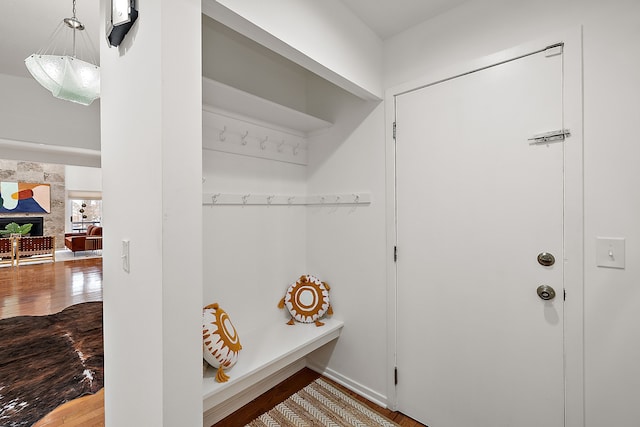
229, 406
354, 386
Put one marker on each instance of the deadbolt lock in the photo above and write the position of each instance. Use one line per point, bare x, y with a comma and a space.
546, 259
546, 292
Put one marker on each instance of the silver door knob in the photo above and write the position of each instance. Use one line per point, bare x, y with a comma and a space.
547, 259
546, 292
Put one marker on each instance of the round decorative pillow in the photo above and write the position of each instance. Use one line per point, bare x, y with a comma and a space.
307, 300
220, 342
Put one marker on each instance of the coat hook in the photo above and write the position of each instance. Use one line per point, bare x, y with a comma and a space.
270, 199
263, 143
356, 198
338, 199
322, 200
244, 138
295, 149
214, 198
245, 198
290, 199
281, 146
222, 135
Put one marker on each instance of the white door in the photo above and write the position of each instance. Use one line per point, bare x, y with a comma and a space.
476, 203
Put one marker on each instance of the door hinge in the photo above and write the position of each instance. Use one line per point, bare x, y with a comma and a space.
564, 294
395, 254
394, 131
395, 376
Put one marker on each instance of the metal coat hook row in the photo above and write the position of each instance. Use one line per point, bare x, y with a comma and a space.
272, 199
263, 143
222, 135
244, 138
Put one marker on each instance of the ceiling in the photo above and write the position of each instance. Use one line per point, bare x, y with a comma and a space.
26, 25
390, 17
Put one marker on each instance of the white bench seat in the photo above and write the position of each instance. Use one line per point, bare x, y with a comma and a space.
265, 352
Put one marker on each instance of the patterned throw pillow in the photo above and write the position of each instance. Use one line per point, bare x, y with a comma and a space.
220, 342
307, 300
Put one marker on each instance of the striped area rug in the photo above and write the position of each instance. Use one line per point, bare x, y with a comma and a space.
321, 404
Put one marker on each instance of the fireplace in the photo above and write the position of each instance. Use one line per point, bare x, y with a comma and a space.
38, 223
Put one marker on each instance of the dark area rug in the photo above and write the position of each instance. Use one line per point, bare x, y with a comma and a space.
46, 361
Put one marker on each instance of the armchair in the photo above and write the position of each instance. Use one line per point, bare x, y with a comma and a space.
36, 248
6, 251
91, 240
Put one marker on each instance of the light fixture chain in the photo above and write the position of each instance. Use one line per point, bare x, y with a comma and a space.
74, 9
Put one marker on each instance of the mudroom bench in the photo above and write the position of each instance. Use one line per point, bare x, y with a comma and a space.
268, 357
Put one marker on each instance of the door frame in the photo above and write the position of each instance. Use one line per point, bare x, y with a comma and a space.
573, 234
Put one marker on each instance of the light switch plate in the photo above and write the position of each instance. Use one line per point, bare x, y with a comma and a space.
125, 256
610, 252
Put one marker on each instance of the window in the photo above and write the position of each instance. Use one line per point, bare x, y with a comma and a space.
85, 212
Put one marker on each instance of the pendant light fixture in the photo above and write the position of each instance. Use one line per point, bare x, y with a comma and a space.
61, 71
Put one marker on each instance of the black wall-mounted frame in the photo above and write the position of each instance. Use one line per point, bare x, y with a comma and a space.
123, 16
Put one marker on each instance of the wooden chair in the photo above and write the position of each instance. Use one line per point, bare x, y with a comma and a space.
6, 250
37, 248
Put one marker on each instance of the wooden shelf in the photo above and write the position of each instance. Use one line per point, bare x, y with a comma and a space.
265, 352
221, 96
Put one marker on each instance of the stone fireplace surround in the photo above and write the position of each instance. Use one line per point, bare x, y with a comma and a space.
53, 174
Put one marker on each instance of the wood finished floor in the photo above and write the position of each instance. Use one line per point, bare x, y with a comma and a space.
41, 289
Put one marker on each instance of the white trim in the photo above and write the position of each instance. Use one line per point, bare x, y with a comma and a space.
574, 230
228, 407
574, 210
391, 240
46, 153
354, 386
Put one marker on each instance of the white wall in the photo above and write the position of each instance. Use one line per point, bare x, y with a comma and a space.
612, 202
151, 163
29, 113
346, 245
233, 59
81, 178
252, 253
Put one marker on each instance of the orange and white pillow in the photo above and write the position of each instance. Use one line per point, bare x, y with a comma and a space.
220, 342
307, 300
